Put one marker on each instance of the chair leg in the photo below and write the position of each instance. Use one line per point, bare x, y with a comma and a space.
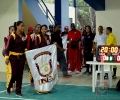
110, 79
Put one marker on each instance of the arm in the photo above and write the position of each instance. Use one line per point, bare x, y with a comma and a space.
8, 46
5, 41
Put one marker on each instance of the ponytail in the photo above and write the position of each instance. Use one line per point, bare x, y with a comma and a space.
15, 26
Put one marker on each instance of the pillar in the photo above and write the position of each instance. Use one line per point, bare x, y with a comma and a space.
62, 12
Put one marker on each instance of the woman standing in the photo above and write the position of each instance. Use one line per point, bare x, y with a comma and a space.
88, 47
42, 39
32, 42
8, 67
15, 54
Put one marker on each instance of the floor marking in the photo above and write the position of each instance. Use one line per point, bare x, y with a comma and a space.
15, 98
74, 85
22, 86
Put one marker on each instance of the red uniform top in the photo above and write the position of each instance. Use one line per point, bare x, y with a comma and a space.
28, 41
16, 44
74, 35
41, 41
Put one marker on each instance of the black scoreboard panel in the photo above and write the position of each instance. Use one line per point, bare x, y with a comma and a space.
108, 54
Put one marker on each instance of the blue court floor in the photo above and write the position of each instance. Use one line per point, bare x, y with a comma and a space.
60, 92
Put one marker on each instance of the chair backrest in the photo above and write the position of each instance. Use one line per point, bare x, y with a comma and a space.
107, 68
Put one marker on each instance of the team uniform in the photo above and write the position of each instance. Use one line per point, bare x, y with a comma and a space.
15, 49
8, 67
111, 40
73, 50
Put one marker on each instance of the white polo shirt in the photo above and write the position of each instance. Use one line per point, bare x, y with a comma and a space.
100, 39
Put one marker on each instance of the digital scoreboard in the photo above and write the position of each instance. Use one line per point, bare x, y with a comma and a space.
108, 54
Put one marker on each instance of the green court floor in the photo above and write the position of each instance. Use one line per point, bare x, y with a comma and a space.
60, 92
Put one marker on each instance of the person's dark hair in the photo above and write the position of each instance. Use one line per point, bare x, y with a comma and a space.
56, 25
72, 24
42, 27
17, 24
10, 27
109, 28
101, 27
37, 25
84, 33
89, 28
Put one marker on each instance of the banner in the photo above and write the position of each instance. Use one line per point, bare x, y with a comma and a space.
43, 66
64, 41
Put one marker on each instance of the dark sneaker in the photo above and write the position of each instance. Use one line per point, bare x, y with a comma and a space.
114, 77
8, 91
19, 94
67, 76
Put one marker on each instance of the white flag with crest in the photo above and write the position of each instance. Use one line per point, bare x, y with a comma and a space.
43, 66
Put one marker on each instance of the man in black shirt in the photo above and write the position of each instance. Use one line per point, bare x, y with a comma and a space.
56, 39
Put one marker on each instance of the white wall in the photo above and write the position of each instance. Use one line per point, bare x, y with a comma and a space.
110, 18
8, 15
71, 11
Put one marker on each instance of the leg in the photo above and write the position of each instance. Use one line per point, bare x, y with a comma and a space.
114, 71
71, 59
62, 61
14, 64
21, 64
77, 59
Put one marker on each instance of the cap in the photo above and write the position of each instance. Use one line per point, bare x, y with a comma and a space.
50, 26
66, 27
30, 28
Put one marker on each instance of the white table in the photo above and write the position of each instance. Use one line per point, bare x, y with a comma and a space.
94, 63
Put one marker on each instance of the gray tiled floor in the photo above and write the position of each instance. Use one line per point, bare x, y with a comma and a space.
77, 79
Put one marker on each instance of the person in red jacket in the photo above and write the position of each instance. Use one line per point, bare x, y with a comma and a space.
28, 35
74, 36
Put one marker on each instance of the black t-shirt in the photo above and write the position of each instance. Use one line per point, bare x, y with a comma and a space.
55, 37
64, 33
88, 41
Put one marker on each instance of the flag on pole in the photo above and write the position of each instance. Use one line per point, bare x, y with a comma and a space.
43, 66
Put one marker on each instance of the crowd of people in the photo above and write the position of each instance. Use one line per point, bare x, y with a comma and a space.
81, 47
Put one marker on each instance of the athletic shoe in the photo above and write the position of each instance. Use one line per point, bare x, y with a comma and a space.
77, 72
114, 77
8, 91
19, 94
70, 71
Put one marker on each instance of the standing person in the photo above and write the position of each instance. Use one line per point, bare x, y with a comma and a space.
100, 39
88, 50
32, 42
42, 39
51, 30
28, 35
111, 41
74, 36
55, 38
8, 66
66, 30
16, 46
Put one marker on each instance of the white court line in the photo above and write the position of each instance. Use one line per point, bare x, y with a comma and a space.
15, 98
22, 86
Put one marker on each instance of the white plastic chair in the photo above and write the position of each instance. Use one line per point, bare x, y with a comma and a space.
107, 70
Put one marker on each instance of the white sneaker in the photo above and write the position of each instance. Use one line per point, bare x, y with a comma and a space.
69, 71
77, 72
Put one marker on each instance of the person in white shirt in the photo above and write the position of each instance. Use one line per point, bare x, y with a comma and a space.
100, 39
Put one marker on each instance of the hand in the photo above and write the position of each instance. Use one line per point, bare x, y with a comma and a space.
62, 50
55, 43
92, 52
7, 61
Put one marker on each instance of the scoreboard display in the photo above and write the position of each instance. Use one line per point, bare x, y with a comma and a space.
108, 54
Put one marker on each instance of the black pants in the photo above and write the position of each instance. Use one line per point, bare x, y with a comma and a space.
62, 61
88, 57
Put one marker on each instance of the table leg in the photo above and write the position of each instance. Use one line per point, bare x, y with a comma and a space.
102, 75
93, 78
